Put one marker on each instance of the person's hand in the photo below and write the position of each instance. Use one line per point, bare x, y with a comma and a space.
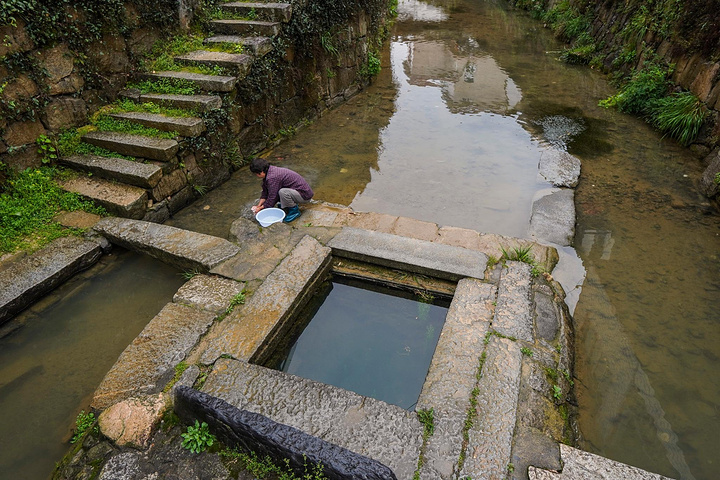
256, 208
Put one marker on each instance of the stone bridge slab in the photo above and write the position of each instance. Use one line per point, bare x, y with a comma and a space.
383, 432
181, 248
249, 331
452, 374
148, 363
413, 255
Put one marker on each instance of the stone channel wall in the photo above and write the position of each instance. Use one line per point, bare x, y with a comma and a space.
46, 88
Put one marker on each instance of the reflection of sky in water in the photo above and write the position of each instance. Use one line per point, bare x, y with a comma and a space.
450, 136
421, 12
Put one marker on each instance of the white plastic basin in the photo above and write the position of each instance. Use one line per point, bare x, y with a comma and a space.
268, 216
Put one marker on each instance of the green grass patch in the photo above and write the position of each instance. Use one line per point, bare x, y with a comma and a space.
566, 22
126, 105
679, 116
170, 86
109, 124
27, 205
70, 143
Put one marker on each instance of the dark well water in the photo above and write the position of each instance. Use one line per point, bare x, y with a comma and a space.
62, 347
470, 95
371, 340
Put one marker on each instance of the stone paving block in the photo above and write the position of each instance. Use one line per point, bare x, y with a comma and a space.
24, 281
247, 332
411, 228
208, 292
459, 237
383, 432
579, 465
417, 256
490, 439
451, 376
513, 314
378, 222
559, 168
253, 264
149, 361
181, 248
319, 216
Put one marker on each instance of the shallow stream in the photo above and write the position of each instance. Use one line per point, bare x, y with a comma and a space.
470, 96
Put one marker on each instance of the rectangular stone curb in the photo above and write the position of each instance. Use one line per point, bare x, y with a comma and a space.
149, 361
201, 103
579, 465
26, 280
490, 439
208, 83
161, 149
248, 333
184, 126
383, 432
452, 374
259, 434
181, 248
418, 256
513, 314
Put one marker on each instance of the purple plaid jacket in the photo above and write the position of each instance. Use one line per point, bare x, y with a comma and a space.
277, 178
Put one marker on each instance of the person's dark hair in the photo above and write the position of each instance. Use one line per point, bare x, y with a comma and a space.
259, 165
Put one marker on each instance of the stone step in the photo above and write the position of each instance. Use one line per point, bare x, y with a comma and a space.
278, 12
258, 46
142, 175
206, 83
161, 149
184, 126
198, 103
236, 61
245, 27
117, 198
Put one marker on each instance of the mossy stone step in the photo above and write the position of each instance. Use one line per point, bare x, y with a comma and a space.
258, 46
143, 175
237, 61
245, 27
184, 126
118, 199
278, 12
206, 83
161, 149
198, 103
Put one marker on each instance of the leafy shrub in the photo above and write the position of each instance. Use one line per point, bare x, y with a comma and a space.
566, 22
641, 93
680, 116
372, 67
198, 438
83, 423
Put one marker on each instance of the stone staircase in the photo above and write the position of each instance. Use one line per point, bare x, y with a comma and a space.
163, 169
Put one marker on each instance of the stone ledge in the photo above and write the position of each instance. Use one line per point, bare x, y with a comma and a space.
181, 248
259, 434
369, 427
24, 281
579, 465
417, 256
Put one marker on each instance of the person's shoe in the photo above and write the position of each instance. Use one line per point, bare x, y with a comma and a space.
292, 214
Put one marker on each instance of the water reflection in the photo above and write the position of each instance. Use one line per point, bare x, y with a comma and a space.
420, 12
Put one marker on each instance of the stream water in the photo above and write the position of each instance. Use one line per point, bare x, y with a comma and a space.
62, 347
470, 95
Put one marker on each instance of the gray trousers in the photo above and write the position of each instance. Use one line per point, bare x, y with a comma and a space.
290, 197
